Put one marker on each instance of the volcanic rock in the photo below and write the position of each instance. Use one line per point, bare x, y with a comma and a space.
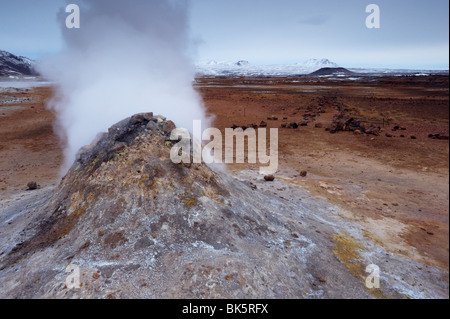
32, 186
168, 127
141, 118
373, 130
440, 136
152, 126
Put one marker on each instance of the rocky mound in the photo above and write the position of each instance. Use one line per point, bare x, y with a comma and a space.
332, 72
139, 226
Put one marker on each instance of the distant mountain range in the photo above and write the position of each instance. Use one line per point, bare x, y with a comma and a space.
313, 67
12, 65
244, 67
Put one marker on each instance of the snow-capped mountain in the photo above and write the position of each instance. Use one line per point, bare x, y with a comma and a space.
316, 64
12, 65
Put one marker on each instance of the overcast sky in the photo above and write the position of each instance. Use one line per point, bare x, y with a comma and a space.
413, 33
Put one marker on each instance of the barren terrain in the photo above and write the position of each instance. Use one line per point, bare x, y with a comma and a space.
395, 185
29, 148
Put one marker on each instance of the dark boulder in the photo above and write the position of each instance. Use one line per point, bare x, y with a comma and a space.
440, 136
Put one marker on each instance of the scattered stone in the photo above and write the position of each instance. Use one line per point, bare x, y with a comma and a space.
389, 135
269, 178
340, 124
373, 131
413, 137
119, 147
141, 118
85, 245
357, 132
32, 186
318, 125
168, 127
152, 126
95, 276
440, 136
159, 118
263, 124
303, 173
303, 124
143, 243
272, 118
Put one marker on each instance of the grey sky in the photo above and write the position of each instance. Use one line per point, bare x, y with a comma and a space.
413, 34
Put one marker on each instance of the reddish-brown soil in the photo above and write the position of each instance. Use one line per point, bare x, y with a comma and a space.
396, 187
29, 148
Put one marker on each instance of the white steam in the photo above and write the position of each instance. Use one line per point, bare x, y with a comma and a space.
128, 57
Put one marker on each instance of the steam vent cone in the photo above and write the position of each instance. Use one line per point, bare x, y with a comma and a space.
139, 226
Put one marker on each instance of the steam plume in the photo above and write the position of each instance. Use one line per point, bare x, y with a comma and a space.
128, 57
